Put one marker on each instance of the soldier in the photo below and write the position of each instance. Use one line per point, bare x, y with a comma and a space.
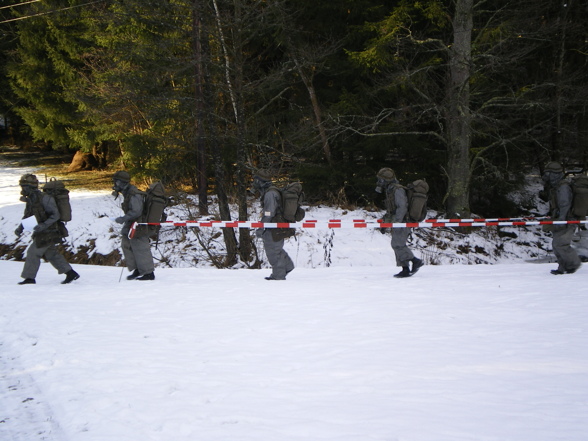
560, 196
397, 211
271, 206
137, 251
46, 234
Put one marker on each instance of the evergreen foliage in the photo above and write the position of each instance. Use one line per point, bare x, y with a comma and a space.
200, 92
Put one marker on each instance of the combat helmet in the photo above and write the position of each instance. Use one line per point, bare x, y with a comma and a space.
385, 177
29, 180
122, 175
386, 174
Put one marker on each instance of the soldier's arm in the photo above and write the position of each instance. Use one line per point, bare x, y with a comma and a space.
564, 201
401, 205
271, 201
135, 209
51, 210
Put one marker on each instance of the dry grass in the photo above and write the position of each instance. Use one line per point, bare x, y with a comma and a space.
53, 164
82, 180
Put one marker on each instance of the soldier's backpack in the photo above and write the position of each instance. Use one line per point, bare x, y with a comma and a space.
417, 194
580, 196
155, 202
57, 189
291, 197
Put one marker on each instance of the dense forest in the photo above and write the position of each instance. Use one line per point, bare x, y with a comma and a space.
469, 94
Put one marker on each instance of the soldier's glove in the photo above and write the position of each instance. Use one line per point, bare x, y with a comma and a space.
39, 228
120, 220
259, 232
383, 230
19, 230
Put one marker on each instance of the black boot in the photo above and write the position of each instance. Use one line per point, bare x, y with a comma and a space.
148, 276
70, 276
404, 273
134, 275
416, 264
27, 282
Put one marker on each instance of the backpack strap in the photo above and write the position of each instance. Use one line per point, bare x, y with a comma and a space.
35, 207
391, 199
561, 200
128, 195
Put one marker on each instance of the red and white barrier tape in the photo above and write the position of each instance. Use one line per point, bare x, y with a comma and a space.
337, 223
498, 219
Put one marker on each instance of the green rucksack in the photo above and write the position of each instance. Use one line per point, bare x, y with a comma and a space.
579, 186
291, 197
154, 204
57, 189
416, 193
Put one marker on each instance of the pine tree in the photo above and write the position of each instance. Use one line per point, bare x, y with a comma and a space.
43, 73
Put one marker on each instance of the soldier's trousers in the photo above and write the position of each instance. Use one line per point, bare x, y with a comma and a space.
277, 257
401, 251
137, 252
50, 253
567, 258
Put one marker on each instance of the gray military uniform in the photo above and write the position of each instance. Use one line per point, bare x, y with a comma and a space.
137, 251
396, 210
43, 246
560, 202
278, 258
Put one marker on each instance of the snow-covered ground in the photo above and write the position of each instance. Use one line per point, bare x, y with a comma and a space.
341, 351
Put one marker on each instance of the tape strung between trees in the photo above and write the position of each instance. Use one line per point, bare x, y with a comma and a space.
364, 224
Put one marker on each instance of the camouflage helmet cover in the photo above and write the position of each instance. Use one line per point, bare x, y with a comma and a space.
30, 180
387, 174
263, 175
122, 175
554, 167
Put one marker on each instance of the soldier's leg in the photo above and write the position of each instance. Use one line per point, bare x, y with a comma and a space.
32, 261
403, 254
141, 247
128, 253
276, 256
289, 263
567, 257
56, 259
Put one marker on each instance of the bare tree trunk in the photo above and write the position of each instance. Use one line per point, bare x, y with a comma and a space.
556, 146
100, 152
229, 236
308, 82
234, 88
245, 241
223, 206
201, 162
458, 112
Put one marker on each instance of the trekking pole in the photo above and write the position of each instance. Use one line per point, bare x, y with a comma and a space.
122, 268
